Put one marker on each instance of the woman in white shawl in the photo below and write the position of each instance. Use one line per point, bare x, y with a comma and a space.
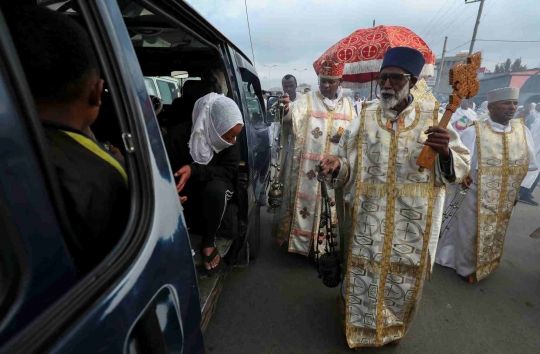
209, 167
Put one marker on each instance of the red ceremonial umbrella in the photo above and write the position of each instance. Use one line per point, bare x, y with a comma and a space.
362, 53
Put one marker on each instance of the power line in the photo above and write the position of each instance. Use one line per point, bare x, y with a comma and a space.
459, 46
505, 41
493, 61
489, 10
433, 18
249, 31
446, 25
435, 24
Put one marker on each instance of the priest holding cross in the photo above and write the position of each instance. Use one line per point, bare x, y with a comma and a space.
392, 211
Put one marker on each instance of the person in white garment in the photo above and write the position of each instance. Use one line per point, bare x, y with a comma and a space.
503, 152
464, 117
290, 85
526, 193
316, 122
482, 113
533, 117
357, 103
392, 212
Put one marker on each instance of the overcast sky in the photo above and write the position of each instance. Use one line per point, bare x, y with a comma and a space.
292, 34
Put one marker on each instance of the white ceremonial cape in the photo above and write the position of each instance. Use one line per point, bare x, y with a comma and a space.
315, 131
512, 156
392, 217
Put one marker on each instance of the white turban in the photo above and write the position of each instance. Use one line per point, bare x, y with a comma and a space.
502, 94
213, 116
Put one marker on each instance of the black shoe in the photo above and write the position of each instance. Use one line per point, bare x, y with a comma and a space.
528, 201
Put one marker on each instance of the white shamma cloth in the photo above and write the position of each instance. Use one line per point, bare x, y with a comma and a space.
213, 116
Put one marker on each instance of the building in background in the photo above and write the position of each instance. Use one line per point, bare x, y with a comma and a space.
528, 82
443, 87
483, 72
302, 87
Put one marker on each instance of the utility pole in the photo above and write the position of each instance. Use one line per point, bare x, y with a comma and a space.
300, 75
477, 23
269, 67
439, 74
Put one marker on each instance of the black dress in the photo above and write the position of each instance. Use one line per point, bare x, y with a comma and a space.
210, 186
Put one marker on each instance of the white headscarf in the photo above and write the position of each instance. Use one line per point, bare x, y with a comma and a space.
213, 116
333, 103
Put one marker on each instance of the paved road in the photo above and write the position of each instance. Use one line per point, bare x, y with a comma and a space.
278, 305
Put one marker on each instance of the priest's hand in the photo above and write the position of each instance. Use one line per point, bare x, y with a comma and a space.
467, 181
329, 164
286, 100
438, 139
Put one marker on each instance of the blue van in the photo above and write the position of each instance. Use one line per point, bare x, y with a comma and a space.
145, 296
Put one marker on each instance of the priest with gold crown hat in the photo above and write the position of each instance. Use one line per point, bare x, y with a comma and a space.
316, 122
392, 211
503, 153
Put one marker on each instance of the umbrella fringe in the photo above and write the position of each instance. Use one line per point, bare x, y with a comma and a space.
428, 71
357, 85
362, 67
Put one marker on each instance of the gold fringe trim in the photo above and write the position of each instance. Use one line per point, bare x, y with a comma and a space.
500, 170
413, 190
373, 189
491, 218
446, 189
485, 271
419, 190
376, 267
367, 337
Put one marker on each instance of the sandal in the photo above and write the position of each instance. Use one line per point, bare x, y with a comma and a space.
208, 259
469, 279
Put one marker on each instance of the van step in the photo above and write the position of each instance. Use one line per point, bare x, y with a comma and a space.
209, 287
209, 290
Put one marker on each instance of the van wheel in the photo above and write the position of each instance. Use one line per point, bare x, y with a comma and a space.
254, 235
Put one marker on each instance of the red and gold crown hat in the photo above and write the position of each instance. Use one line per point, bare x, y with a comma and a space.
330, 69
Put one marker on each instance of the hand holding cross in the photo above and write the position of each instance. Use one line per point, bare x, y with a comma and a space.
464, 81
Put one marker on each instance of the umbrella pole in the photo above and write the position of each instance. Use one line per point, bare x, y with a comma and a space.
371, 91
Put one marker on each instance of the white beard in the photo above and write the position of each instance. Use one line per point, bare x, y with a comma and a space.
389, 103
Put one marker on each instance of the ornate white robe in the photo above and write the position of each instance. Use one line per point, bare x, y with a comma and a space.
315, 131
392, 218
501, 157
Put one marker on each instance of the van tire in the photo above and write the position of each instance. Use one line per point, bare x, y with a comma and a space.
254, 235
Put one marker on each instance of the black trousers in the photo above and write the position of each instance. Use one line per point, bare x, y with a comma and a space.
205, 207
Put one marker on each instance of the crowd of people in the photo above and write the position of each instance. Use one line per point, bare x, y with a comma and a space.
389, 212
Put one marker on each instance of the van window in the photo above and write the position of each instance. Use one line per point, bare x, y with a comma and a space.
168, 91
150, 87
92, 179
254, 107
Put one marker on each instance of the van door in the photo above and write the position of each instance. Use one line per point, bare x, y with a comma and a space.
143, 297
258, 130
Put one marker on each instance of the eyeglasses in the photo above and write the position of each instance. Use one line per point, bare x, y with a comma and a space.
394, 78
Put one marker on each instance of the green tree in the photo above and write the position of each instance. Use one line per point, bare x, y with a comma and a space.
507, 66
517, 66
498, 69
